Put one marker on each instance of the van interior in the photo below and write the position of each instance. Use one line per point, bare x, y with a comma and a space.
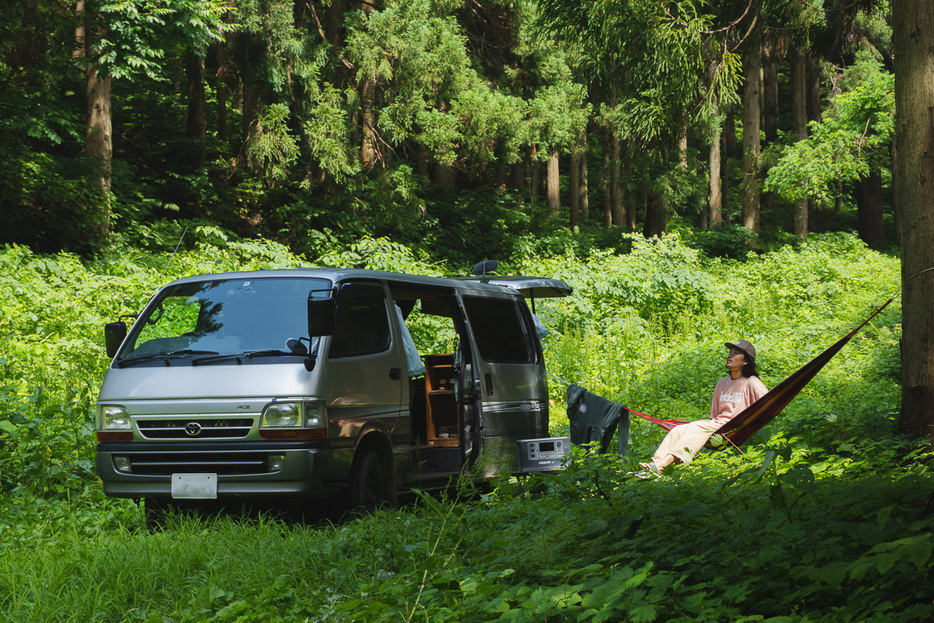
433, 408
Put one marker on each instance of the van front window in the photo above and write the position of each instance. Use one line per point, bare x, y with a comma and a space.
261, 319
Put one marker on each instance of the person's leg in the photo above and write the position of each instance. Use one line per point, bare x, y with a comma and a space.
668, 449
694, 437
683, 442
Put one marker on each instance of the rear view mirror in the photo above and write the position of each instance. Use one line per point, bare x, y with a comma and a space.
321, 314
114, 334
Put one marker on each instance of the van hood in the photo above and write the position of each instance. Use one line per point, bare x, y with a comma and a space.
214, 381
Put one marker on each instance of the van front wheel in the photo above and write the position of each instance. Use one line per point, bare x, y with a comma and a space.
367, 484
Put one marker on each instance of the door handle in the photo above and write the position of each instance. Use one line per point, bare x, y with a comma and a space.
395, 373
489, 383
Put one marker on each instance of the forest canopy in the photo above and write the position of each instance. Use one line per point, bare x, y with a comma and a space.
314, 123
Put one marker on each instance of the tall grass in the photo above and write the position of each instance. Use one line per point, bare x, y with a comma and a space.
829, 519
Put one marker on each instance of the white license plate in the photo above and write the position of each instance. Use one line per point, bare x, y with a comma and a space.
194, 486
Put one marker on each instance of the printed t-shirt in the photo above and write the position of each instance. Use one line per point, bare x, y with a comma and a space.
732, 397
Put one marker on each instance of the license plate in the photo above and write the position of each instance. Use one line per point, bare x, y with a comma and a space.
194, 486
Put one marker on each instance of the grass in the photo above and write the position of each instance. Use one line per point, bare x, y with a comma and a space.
826, 517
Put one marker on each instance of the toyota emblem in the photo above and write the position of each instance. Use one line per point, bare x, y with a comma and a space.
192, 429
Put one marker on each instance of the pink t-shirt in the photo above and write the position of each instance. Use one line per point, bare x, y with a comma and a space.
732, 397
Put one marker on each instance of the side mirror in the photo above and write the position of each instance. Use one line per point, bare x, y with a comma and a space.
114, 334
321, 315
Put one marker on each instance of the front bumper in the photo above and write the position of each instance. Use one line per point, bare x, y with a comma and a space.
243, 468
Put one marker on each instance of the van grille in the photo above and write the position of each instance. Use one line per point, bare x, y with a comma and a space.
221, 463
226, 428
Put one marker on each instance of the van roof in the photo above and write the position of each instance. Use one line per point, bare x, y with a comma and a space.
537, 287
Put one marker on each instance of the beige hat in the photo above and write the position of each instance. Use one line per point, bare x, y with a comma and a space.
744, 346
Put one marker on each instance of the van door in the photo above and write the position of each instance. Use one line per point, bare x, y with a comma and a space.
365, 371
508, 368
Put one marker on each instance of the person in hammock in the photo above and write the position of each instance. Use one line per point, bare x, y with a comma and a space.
731, 396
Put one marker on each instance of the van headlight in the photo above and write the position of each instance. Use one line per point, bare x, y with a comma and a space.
113, 417
281, 415
293, 419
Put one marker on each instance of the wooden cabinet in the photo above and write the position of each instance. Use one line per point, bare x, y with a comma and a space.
441, 407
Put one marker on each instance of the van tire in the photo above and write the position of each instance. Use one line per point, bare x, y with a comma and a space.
368, 489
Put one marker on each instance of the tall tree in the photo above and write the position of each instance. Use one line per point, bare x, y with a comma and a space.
914, 185
752, 66
799, 121
123, 40
850, 146
99, 135
650, 62
197, 108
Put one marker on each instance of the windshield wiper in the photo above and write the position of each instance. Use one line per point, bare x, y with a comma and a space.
268, 352
166, 356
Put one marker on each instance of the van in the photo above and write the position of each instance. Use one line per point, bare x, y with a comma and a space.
302, 384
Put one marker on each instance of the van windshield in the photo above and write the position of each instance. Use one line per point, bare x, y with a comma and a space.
245, 320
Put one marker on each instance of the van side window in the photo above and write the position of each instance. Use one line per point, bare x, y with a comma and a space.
498, 329
362, 326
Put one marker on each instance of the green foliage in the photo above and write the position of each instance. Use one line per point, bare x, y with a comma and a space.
825, 517
274, 150
728, 241
134, 32
851, 140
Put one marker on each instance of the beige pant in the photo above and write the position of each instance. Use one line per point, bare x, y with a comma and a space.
686, 440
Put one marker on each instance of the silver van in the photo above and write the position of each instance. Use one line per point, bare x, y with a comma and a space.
307, 383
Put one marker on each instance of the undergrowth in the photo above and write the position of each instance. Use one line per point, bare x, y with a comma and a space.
825, 516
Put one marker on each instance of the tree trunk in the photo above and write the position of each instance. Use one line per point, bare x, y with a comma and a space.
222, 70
252, 123
715, 198
553, 176
197, 117
772, 48
817, 217
99, 137
616, 188
369, 147
869, 209
535, 184
914, 132
518, 176
633, 199
896, 211
656, 216
444, 176
79, 51
99, 143
752, 60
422, 160
799, 121
728, 151
574, 186
683, 147
713, 215
814, 89
585, 180
334, 22
605, 184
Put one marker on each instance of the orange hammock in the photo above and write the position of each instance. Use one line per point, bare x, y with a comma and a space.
745, 424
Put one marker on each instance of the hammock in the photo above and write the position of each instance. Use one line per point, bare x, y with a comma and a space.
745, 424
